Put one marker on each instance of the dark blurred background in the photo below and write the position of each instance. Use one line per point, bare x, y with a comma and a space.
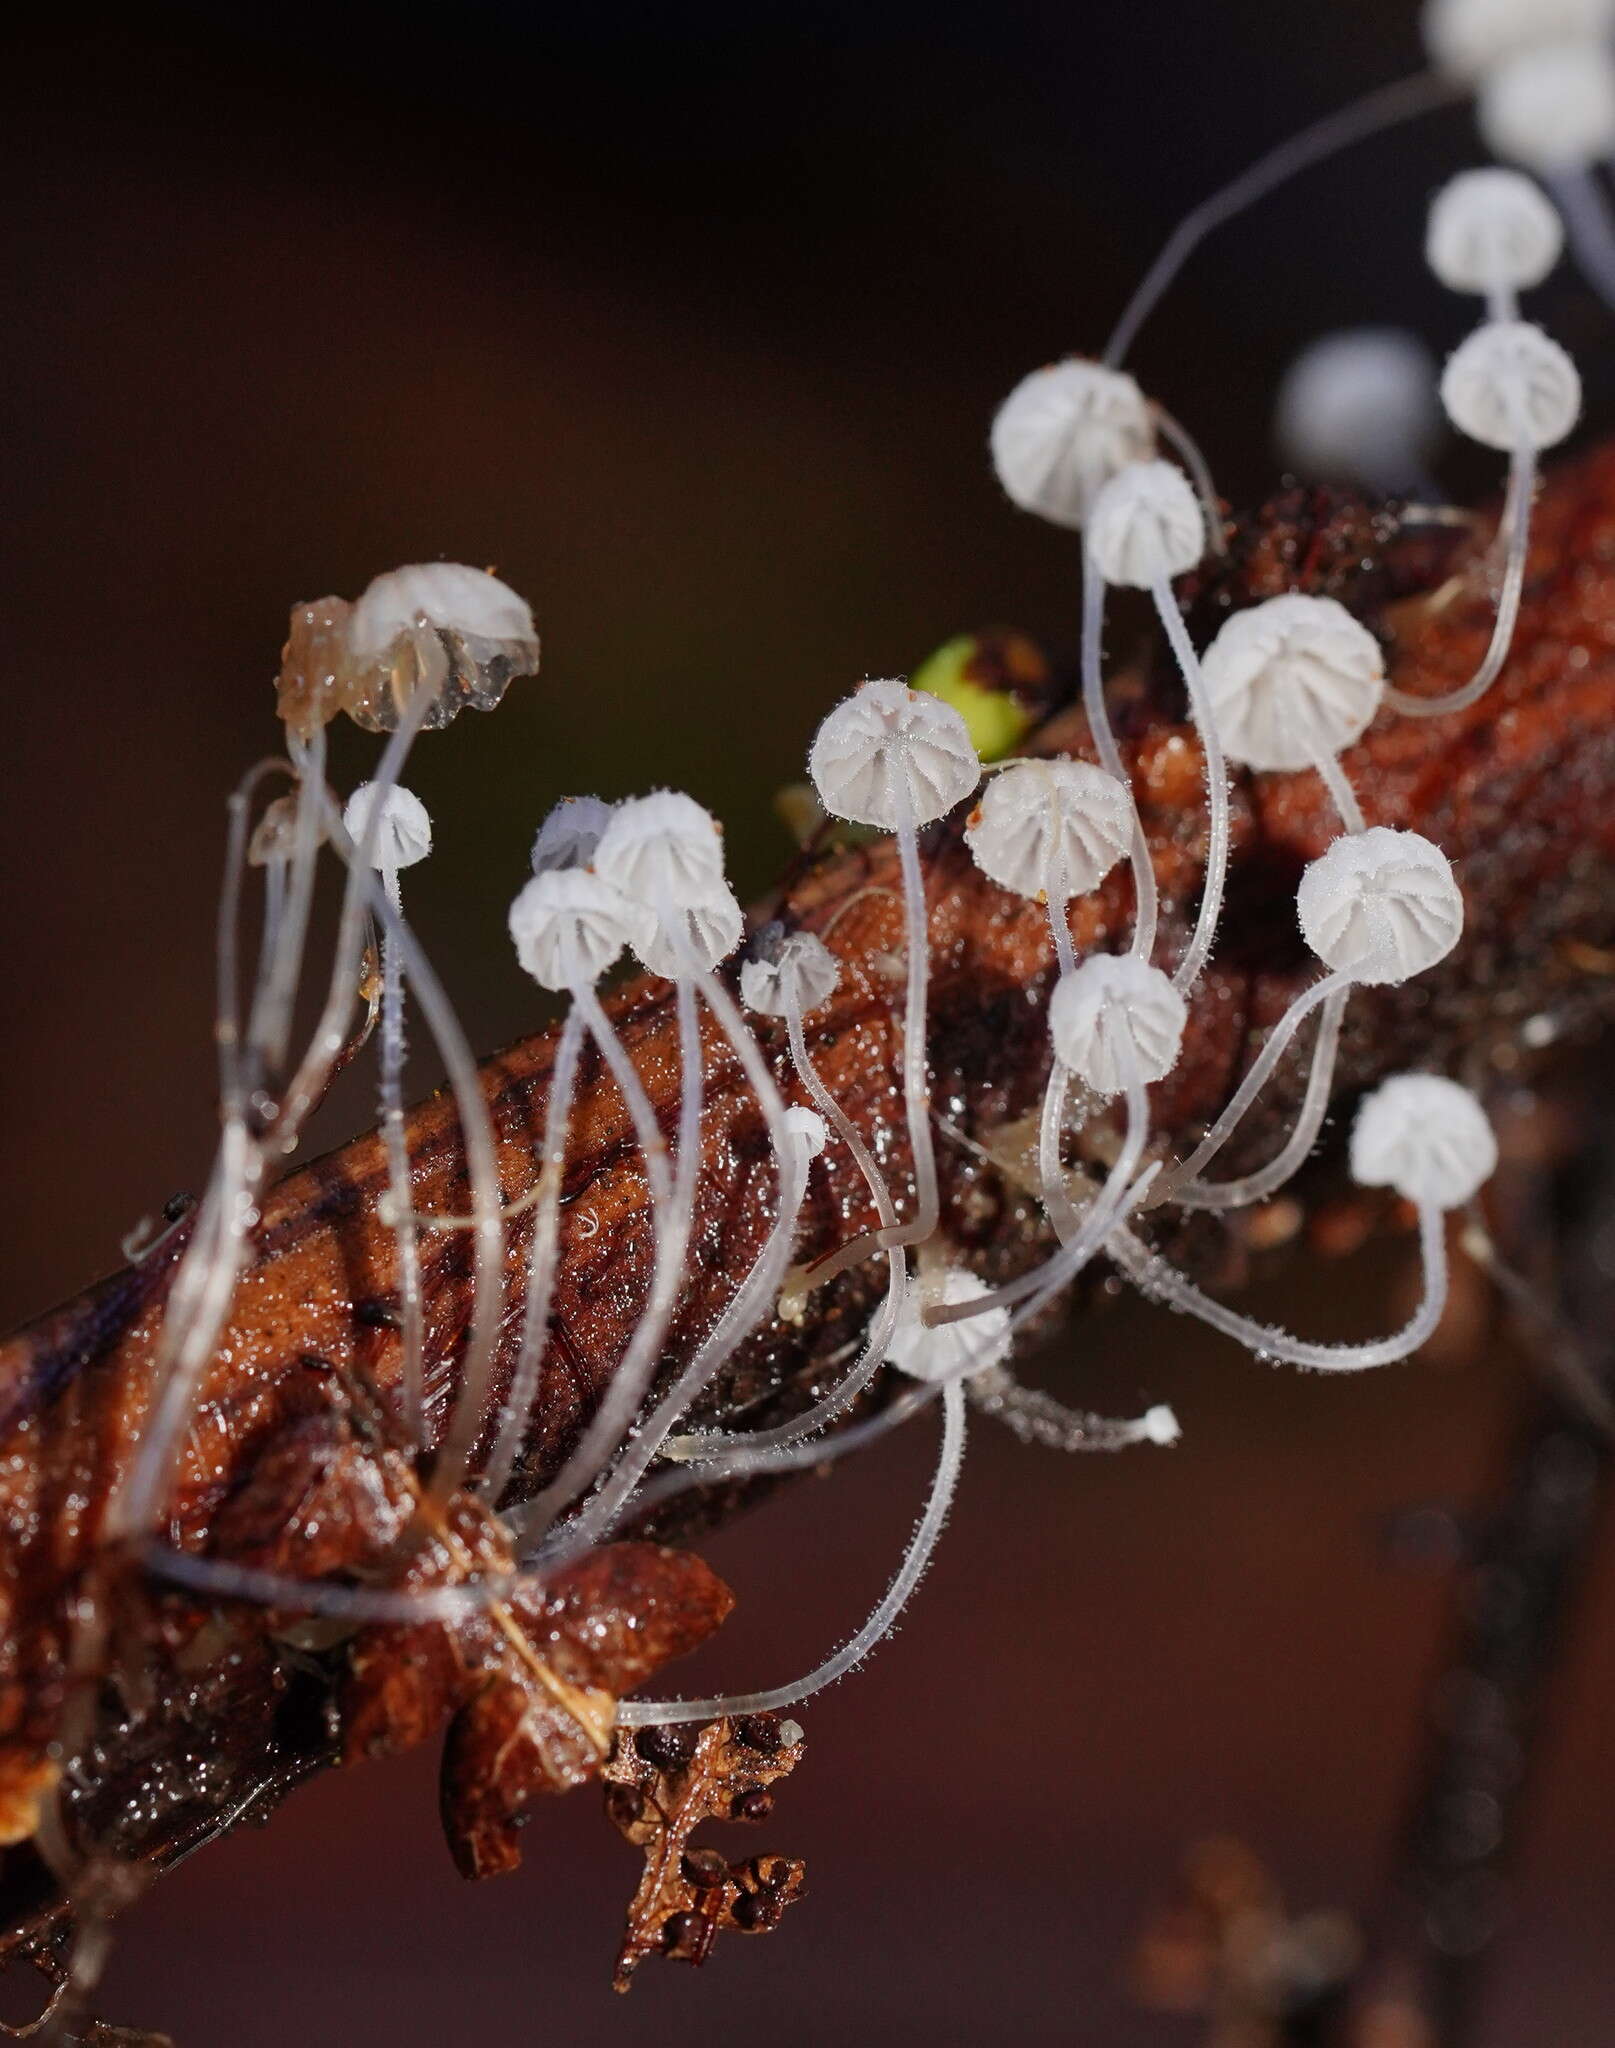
691, 320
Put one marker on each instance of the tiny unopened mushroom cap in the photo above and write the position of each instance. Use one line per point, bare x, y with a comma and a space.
1064, 432
1551, 109
403, 831
1425, 1137
1160, 1425
971, 1345
884, 743
1469, 38
569, 835
1112, 1013
1381, 905
1146, 526
568, 926
692, 937
1509, 385
788, 971
1359, 406
1492, 229
662, 849
440, 626
1050, 828
1291, 680
809, 1129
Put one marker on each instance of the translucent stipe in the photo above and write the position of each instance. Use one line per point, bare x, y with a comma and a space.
273, 1002
1192, 965
1587, 215
1516, 537
406, 1250
1037, 1418
1261, 1072
1093, 703
541, 1259
1050, 1165
675, 1215
1267, 1180
1156, 1278
1369, 116
661, 1713
1189, 454
1341, 794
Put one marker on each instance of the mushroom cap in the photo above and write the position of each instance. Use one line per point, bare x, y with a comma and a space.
403, 831
809, 1128
886, 741
1051, 829
1064, 432
1146, 526
662, 850
786, 972
710, 926
568, 926
569, 835
1425, 1137
1551, 108
1381, 905
481, 635
976, 1344
1290, 680
1509, 384
1469, 38
1492, 228
1360, 406
1110, 1002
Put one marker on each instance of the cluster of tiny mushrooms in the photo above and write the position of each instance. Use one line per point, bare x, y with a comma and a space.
1287, 685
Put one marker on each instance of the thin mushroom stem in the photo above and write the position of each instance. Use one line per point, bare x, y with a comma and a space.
1287, 1162
1154, 1277
269, 1028
1037, 1418
1585, 206
1341, 794
1192, 965
662, 1713
675, 1212
1515, 533
1145, 894
411, 1311
1261, 1071
541, 1258
1190, 455
1371, 115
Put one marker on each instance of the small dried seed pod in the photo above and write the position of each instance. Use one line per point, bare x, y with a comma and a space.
1114, 1013
1425, 1137
569, 835
404, 832
1146, 526
943, 1351
1292, 681
1492, 230
887, 742
1381, 905
1064, 432
1552, 108
568, 926
1470, 38
438, 626
1510, 386
1051, 829
662, 850
313, 683
788, 974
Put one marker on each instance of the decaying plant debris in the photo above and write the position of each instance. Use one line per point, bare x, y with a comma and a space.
212, 1710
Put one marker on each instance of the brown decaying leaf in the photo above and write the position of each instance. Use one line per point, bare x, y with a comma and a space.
224, 1708
661, 1784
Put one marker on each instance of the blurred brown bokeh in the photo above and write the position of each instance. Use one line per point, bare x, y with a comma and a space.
691, 323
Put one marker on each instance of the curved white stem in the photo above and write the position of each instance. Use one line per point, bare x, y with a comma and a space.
411, 1314
1153, 1276
1341, 794
1145, 895
1516, 536
1037, 1418
1178, 437
1192, 965
661, 1713
1586, 211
